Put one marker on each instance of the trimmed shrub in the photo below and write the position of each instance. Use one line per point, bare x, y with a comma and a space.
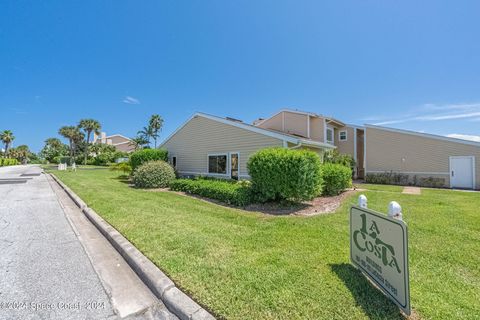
140, 157
333, 156
431, 182
336, 178
153, 174
402, 179
283, 174
103, 159
389, 178
8, 162
237, 193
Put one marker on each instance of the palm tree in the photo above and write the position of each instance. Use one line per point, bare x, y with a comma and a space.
146, 133
7, 137
71, 133
22, 153
138, 142
89, 126
53, 143
156, 124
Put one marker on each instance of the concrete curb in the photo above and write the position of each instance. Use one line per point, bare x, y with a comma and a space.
163, 287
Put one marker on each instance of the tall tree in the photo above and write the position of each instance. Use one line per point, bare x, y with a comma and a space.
89, 126
156, 124
146, 133
72, 133
22, 153
53, 143
7, 137
138, 142
53, 148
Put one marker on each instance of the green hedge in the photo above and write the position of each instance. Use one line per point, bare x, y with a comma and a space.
333, 156
237, 193
336, 178
140, 157
388, 178
8, 162
402, 179
284, 174
153, 174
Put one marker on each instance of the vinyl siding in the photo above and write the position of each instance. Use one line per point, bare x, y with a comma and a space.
317, 129
201, 136
386, 149
125, 147
296, 124
345, 147
274, 123
117, 139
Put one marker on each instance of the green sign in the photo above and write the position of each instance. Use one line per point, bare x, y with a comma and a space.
379, 248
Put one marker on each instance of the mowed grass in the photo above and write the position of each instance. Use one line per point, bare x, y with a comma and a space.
243, 265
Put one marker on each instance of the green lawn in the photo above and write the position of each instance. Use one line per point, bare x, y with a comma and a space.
243, 265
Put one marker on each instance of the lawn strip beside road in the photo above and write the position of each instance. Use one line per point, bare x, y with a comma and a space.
248, 265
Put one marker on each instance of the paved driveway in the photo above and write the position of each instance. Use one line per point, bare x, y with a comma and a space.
44, 271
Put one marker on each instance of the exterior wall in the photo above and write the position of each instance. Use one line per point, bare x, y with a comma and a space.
274, 123
125, 147
360, 153
415, 155
201, 136
317, 129
118, 142
117, 139
296, 124
345, 147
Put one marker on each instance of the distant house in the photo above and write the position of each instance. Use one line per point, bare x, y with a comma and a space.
121, 143
215, 146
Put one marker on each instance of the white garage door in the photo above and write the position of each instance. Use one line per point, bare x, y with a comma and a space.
462, 172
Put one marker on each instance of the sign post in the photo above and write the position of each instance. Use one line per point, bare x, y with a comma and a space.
379, 248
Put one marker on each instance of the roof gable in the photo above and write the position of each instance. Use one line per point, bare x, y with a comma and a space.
424, 135
269, 133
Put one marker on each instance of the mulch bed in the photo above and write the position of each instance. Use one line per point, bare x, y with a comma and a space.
320, 205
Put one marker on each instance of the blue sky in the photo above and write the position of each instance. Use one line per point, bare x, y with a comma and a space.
406, 64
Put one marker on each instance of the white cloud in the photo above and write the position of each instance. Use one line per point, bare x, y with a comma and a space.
384, 123
449, 116
432, 112
457, 106
464, 137
131, 100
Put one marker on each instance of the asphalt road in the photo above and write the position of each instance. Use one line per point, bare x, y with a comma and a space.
45, 272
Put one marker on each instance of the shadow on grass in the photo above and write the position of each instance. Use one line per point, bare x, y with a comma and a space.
372, 301
123, 179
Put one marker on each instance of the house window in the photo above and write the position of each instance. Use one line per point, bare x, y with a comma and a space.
342, 136
174, 162
330, 135
217, 163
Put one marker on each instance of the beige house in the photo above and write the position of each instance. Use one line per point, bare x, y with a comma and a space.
348, 139
121, 143
425, 158
214, 146
210, 145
